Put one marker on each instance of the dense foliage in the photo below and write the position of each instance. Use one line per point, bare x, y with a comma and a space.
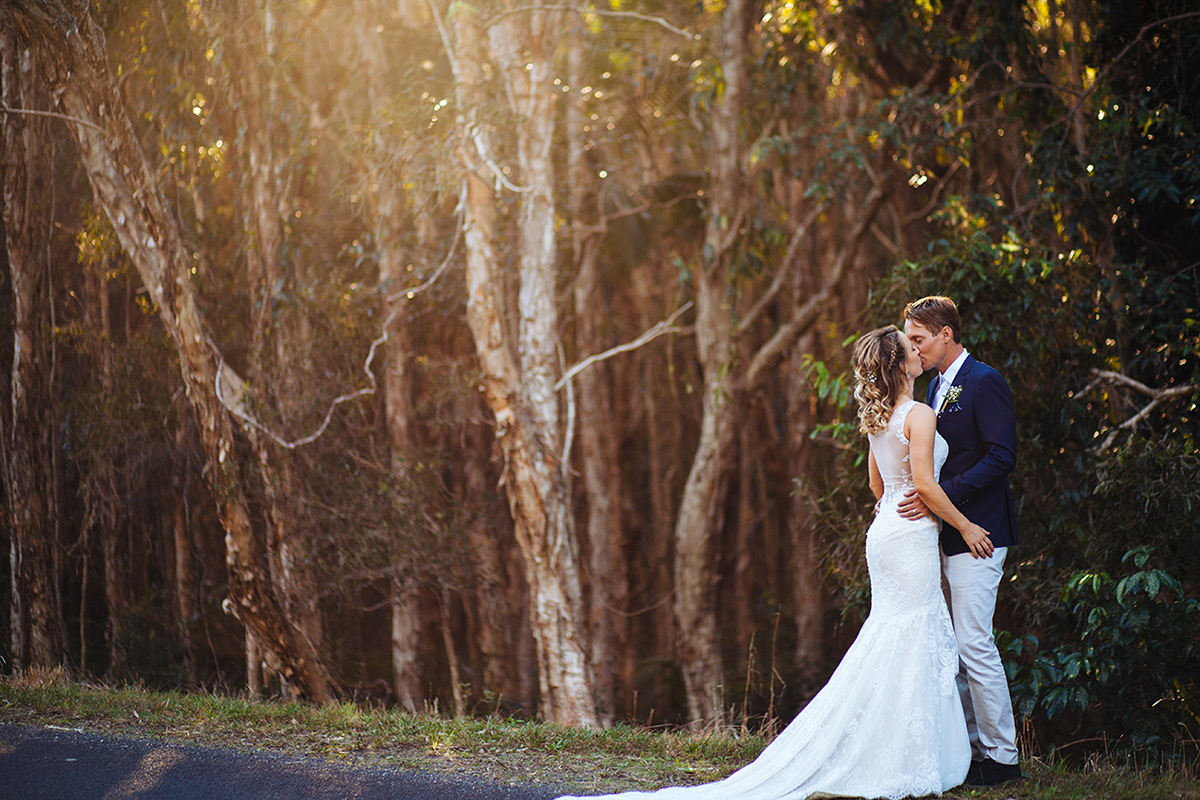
1083, 266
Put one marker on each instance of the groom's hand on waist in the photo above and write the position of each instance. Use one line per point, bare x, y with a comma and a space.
912, 507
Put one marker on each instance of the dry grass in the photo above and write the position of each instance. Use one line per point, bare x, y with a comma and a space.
507, 751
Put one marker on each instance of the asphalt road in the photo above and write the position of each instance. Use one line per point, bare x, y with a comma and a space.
58, 764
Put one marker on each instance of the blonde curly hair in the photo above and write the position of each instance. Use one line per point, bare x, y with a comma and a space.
880, 365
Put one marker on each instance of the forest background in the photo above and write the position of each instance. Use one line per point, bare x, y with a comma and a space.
492, 357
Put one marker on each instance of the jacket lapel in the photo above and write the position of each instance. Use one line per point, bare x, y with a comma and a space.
958, 381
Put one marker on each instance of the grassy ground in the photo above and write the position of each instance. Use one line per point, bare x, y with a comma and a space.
501, 750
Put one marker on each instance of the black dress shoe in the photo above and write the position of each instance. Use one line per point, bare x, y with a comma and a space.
992, 773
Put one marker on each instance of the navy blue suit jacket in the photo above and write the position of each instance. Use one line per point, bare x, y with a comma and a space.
981, 429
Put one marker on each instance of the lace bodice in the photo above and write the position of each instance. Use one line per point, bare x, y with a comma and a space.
890, 447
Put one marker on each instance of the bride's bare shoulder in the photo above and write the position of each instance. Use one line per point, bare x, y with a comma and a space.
920, 414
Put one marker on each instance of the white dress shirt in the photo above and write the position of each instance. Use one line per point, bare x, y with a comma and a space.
946, 379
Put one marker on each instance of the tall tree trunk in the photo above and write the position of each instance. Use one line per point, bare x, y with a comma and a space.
726, 383
118, 594
663, 458
387, 222
71, 54
701, 511
184, 572
499, 620
37, 625
279, 335
447, 626
597, 435
539, 496
406, 639
745, 577
99, 489
598, 456
808, 596
701, 515
521, 394
398, 400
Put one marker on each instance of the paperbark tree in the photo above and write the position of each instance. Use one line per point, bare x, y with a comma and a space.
598, 441
808, 596
249, 36
701, 510
100, 484
665, 460
71, 58
184, 567
503, 628
519, 377
36, 617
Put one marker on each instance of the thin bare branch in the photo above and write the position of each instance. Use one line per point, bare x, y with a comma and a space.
237, 407
785, 267
476, 133
885, 240
923, 212
663, 327
1156, 396
1087, 389
247, 419
569, 437
445, 37
7, 109
731, 235
776, 347
752, 150
1104, 375
632, 211
600, 12
437, 273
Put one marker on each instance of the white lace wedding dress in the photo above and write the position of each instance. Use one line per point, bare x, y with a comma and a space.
889, 722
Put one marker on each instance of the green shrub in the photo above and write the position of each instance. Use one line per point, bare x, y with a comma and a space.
1134, 657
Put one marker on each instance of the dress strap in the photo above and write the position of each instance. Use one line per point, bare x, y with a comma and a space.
898, 417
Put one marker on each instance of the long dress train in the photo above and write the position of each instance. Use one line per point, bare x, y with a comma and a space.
889, 723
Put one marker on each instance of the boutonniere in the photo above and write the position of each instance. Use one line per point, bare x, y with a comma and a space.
952, 395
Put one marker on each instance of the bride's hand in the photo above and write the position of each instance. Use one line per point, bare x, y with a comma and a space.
978, 540
913, 507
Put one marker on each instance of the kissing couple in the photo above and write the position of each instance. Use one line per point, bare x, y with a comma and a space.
919, 703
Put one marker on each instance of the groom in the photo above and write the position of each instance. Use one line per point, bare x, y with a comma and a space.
975, 416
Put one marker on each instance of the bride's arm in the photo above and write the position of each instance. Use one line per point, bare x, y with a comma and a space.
876, 478
920, 426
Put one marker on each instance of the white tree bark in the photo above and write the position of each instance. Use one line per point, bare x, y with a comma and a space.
608, 587
519, 386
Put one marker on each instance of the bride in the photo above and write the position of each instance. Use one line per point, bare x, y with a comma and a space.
889, 723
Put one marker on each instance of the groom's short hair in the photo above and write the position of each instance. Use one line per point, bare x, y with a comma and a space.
934, 313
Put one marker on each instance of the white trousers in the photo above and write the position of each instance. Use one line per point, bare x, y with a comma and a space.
971, 585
